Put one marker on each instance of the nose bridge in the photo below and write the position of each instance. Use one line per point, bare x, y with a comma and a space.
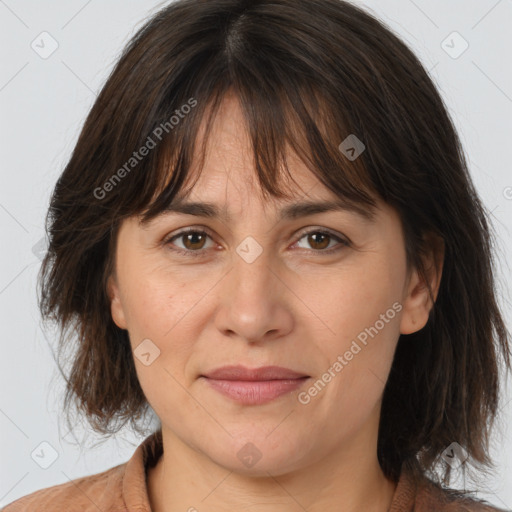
252, 273
252, 303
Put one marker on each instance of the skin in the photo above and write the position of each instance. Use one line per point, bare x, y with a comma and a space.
293, 307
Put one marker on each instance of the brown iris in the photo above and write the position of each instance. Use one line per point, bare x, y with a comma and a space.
313, 239
190, 240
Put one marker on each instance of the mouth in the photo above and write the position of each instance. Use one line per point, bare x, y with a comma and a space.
254, 386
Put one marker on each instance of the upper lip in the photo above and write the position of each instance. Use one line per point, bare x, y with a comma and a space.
239, 372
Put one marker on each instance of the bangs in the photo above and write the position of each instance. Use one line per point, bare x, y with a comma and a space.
276, 126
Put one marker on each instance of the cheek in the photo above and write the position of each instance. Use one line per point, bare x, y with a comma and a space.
353, 298
157, 311
359, 310
148, 307
358, 348
163, 306
153, 299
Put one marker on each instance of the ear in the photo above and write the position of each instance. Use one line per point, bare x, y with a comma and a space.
417, 302
116, 307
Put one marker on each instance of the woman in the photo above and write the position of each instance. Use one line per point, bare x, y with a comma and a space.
267, 234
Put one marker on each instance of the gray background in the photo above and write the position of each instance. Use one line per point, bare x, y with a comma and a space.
43, 104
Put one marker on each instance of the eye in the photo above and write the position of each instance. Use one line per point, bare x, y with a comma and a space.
194, 241
319, 239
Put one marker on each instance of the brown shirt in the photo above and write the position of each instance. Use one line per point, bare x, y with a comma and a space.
123, 488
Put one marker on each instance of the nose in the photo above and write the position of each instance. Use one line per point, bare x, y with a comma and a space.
255, 302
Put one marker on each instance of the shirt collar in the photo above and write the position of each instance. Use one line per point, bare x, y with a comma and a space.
134, 486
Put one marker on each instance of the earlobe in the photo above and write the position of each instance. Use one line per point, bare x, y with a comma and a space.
116, 307
417, 303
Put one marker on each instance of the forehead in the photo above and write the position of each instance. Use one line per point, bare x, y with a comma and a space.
229, 193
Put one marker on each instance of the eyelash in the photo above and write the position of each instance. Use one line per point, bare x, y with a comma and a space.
167, 242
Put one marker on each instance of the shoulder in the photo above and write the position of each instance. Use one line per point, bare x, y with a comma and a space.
117, 489
102, 491
433, 497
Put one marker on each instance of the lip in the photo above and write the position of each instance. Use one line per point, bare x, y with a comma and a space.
254, 386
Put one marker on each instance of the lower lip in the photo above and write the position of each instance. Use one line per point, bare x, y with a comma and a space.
255, 392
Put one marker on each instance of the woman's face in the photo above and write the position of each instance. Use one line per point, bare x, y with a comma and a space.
263, 290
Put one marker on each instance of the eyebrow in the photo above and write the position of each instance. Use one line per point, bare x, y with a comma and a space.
289, 212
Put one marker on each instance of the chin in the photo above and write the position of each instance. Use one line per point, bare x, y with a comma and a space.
259, 455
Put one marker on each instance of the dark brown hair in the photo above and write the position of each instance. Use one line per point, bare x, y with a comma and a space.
308, 73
